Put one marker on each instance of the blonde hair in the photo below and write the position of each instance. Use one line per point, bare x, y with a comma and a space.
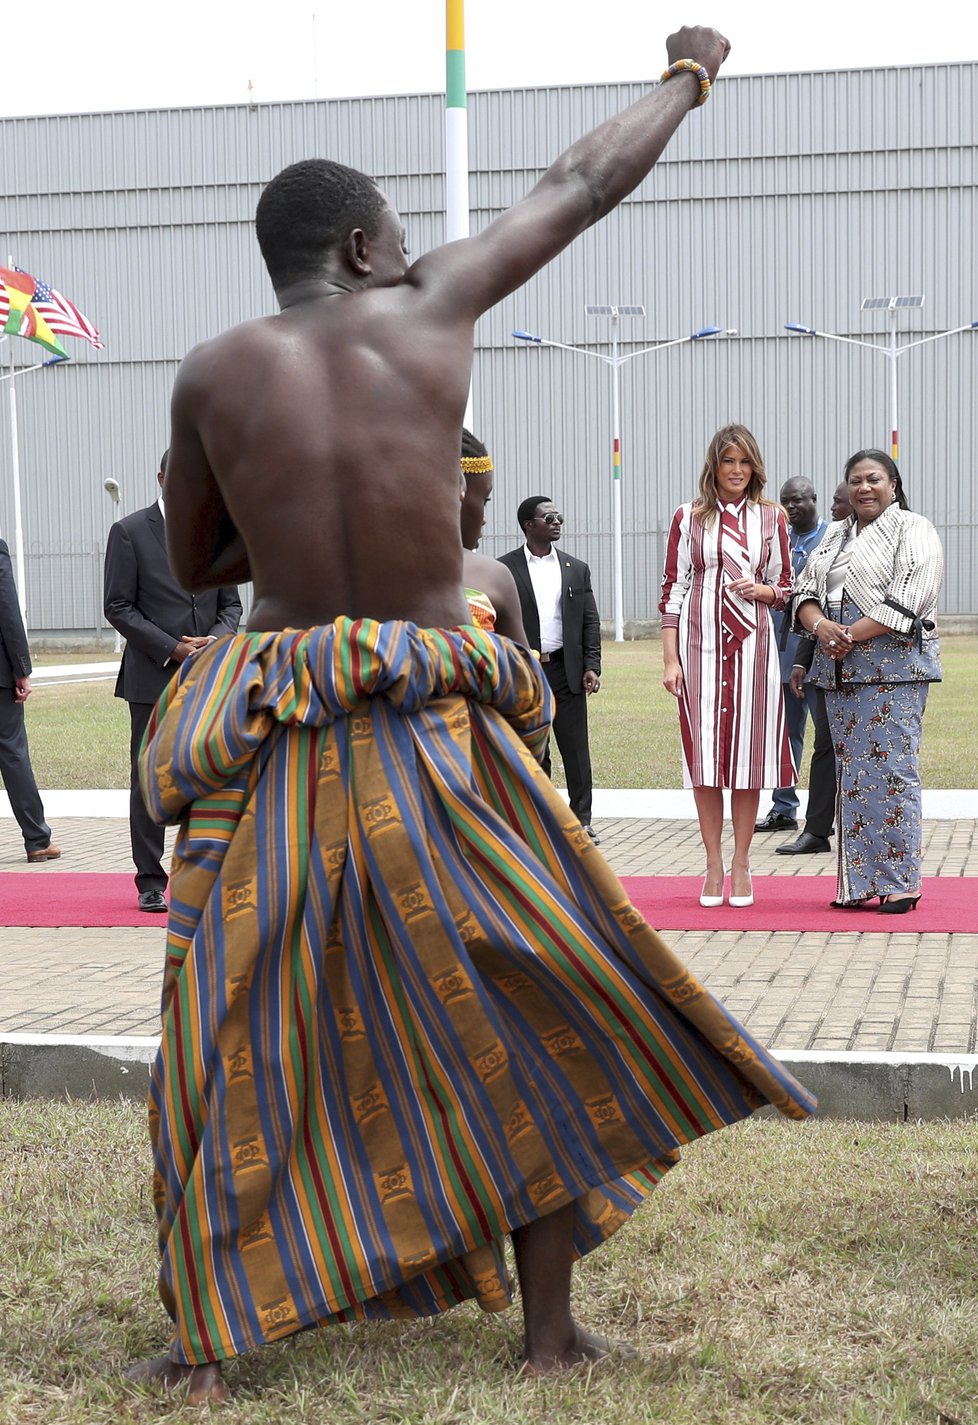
706, 506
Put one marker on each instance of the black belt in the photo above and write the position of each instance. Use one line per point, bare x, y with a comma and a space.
556, 655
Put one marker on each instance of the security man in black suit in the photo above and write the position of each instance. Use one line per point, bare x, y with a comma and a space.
561, 620
15, 689
162, 625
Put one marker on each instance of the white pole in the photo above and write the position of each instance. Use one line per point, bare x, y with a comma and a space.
117, 645
457, 174
15, 464
18, 517
456, 138
616, 473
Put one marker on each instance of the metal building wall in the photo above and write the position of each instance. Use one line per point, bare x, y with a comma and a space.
787, 198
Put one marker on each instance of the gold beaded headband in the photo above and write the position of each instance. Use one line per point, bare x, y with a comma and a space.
476, 464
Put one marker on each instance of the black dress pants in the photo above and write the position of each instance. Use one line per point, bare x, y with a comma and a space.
18, 775
145, 836
821, 775
570, 734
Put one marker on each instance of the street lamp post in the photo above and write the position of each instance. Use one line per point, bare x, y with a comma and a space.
892, 352
616, 361
114, 491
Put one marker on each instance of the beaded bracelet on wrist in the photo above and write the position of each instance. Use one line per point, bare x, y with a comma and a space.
683, 66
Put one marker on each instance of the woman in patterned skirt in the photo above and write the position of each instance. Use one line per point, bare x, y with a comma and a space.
869, 594
727, 564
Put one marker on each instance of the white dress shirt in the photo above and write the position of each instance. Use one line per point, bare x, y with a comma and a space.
544, 571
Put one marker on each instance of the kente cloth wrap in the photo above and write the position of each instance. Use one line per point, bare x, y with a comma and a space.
482, 609
407, 1006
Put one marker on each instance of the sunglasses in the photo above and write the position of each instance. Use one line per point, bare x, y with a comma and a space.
551, 519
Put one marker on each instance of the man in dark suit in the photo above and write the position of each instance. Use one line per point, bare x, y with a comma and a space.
561, 620
162, 625
15, 689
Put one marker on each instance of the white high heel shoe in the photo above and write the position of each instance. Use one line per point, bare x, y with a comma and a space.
710, 901
743, 901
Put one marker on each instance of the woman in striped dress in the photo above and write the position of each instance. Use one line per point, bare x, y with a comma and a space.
727, 563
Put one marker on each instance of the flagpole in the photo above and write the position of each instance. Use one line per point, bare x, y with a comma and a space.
20, 573
34, 311
20, 577
456, 135
18, 517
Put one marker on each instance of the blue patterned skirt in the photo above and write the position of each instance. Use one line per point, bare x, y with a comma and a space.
876, 732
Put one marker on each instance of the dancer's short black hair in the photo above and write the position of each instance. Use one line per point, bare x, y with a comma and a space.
308, 209
528, 509
163, 459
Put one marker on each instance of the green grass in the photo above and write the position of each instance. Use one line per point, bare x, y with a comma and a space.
823, 1274
634, 726
79, 733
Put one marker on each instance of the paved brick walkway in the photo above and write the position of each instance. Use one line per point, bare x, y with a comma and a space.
896, 992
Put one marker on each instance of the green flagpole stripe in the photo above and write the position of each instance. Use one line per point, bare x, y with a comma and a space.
455, 96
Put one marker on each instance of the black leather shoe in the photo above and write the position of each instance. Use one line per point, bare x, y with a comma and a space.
153, 901
593, 834
776, 821
804, 845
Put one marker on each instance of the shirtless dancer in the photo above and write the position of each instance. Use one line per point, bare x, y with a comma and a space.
316, 452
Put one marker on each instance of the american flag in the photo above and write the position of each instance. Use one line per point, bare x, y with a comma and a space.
18, 317
61, 315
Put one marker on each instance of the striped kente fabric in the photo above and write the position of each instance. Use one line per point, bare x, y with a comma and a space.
407, 1006
481, 608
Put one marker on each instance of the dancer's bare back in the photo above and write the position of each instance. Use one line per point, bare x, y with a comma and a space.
332, 433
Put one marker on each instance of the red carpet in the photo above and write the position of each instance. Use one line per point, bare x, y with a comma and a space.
950, 903
46, 897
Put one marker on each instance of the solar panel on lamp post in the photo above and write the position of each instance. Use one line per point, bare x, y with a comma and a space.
892, 352
616, 361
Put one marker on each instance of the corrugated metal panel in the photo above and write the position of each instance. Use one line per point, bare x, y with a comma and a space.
788, 197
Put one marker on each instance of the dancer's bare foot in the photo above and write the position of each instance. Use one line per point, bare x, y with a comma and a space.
204, 1383
552, 1339
580, 1349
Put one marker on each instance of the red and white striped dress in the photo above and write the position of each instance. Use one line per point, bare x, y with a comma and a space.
731, 712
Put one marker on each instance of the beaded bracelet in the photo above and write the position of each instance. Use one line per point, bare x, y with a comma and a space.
683, 65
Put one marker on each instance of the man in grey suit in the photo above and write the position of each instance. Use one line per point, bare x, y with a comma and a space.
561, 620
162, 625
15, 689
